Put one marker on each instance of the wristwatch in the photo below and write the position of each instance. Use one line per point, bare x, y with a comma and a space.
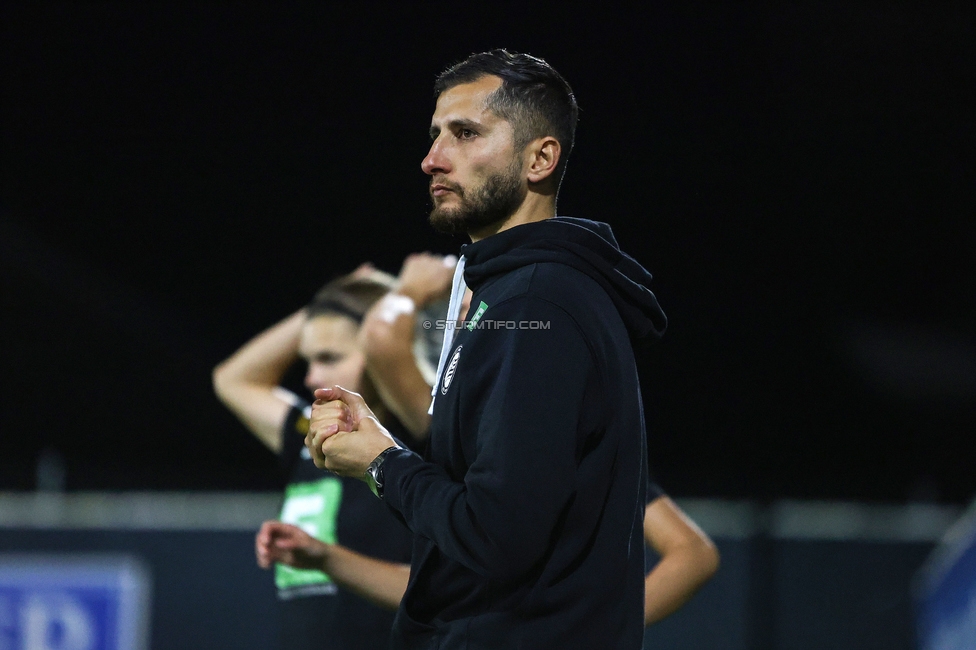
374, 473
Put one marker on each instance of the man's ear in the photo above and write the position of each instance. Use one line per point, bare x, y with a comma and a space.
543, 158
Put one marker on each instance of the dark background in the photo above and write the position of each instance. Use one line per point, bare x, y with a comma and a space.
799, 180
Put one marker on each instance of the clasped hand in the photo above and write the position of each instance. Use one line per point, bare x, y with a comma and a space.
343, 434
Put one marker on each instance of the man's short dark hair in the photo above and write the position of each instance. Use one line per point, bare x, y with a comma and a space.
533, 97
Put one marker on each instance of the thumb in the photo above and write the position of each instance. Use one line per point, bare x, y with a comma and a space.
357, 405
286, 543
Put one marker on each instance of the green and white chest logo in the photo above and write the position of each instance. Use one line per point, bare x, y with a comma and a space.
477, 316
450, 370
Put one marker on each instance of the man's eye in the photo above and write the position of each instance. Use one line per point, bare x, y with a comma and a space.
466, 134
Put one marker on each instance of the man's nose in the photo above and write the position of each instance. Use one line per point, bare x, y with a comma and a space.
436, 161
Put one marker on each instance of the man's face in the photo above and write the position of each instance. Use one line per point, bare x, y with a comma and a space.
328, 344
476, 176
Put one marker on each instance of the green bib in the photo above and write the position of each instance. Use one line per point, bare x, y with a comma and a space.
313, 507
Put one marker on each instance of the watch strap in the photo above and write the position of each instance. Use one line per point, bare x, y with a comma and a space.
374, 473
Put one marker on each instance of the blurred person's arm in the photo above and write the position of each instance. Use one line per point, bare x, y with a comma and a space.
387, 338
688, 559
247, 382
378, 581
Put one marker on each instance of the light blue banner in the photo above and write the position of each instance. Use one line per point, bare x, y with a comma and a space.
946, 590
73, 602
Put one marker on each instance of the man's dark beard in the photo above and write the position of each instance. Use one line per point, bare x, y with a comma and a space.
496, 200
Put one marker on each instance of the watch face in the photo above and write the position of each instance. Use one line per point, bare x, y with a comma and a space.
371, 481
374, 473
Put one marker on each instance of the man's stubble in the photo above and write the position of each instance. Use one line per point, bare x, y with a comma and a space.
495, 200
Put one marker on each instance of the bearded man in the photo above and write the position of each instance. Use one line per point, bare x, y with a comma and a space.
527, 505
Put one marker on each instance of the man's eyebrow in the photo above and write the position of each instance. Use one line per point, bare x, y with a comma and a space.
463, 123
456, 124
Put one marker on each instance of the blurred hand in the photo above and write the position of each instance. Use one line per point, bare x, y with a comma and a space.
425, 277
343, 434
280, 542
364, 270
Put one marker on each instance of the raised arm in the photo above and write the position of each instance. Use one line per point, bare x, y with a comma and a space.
247, 382
387, 339
378, 581
688, 559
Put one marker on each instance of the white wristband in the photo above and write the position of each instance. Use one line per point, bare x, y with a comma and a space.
394, 305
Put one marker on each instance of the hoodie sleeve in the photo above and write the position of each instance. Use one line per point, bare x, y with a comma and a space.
523, 394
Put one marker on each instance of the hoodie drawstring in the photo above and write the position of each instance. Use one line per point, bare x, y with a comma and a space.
453, 313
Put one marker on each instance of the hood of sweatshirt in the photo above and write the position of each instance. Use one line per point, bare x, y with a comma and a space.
589, 247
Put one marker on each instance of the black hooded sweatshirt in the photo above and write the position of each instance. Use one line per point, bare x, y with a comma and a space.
528, 506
